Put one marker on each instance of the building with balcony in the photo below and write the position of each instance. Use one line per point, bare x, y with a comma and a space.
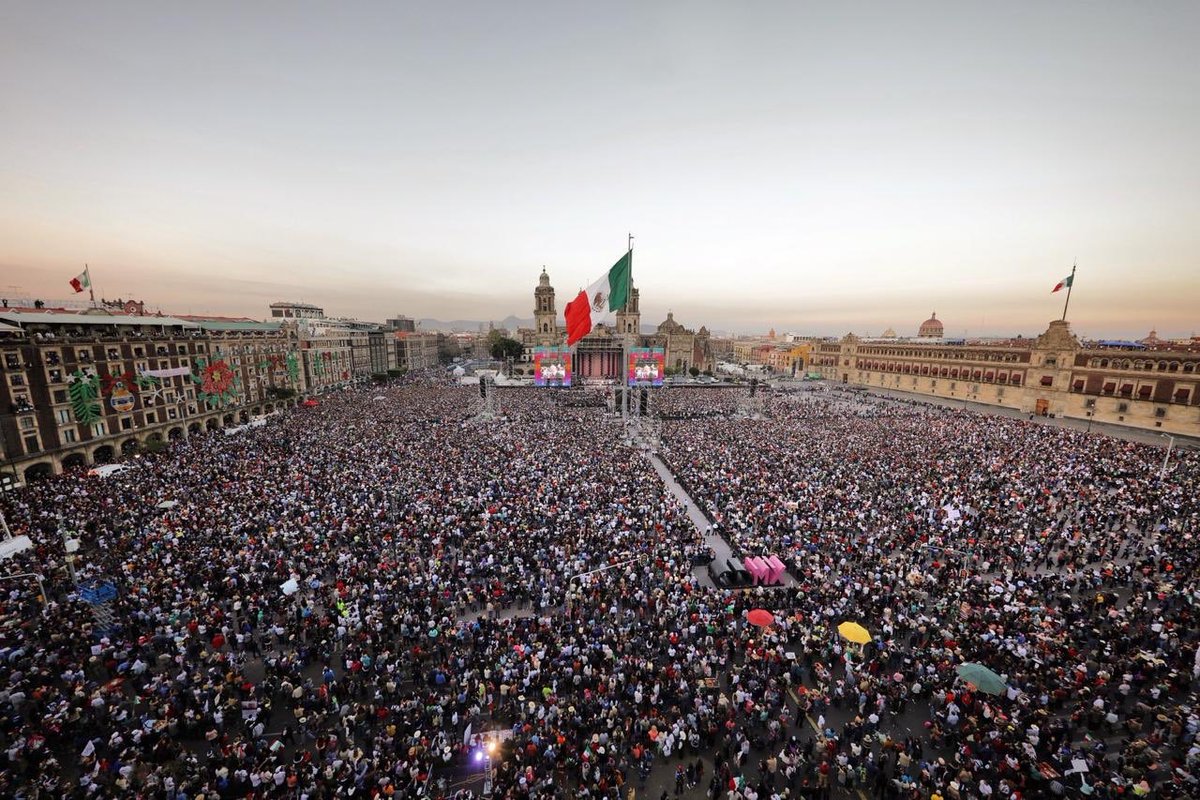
1126, 383
81, 387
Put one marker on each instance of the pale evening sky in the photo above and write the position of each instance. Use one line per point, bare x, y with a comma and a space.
816, 168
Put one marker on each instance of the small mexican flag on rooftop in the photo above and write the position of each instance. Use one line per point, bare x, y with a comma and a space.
605, 296
1065, 283
81, 281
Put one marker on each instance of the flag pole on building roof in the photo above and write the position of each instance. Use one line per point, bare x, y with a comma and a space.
1070, 285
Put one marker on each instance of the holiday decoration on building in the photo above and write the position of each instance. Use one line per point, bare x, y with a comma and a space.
321, 363
120, 390
151, 388
280, 369
217, 382
83, 387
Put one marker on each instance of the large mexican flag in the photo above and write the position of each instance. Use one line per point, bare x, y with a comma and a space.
604, 297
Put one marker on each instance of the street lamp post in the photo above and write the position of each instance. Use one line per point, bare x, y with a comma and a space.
67, 548
1162, 473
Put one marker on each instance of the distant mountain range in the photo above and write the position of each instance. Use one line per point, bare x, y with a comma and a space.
472, 325
510, 322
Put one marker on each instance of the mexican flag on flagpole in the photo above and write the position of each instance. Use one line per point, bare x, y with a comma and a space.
603, 297
1065, 283
81, 282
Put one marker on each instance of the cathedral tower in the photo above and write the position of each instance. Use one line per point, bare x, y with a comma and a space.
545, 317
629, 318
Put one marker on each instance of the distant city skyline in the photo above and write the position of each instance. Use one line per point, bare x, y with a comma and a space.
816, 170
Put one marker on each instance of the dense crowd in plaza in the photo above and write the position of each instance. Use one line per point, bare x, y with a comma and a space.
1058, 558
388, 596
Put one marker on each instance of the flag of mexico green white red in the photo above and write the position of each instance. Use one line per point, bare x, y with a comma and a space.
1065, 283
81, 281
604, 297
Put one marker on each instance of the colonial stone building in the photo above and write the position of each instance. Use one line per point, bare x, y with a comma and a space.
600, 354
332, 352
546, 330
415, 349
1123, 383
684, 348
85, 387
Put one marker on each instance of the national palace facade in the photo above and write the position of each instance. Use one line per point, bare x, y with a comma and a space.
1157, 388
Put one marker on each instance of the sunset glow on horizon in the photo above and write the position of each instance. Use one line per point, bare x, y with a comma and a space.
813, 170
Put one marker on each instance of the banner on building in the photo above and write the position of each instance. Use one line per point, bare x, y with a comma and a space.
166, 373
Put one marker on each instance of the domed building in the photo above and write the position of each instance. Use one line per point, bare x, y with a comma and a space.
684, 348
931, 328
601, 354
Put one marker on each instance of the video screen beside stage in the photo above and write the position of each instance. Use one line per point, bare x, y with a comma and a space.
552, 366
647, 365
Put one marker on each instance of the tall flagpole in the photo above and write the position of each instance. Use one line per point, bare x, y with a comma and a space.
1070, 286
625, 387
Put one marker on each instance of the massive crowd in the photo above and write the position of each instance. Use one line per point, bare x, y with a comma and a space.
1060, 559
387, 596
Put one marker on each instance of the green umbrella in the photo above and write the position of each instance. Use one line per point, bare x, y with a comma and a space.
982, 678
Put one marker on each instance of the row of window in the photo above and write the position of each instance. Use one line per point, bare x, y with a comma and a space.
957, 355
1142, 391
925, 370
85, 355
1151, 365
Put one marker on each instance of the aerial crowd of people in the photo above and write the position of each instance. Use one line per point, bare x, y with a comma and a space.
389, 596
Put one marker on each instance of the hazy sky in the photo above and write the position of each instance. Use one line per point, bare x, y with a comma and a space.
818, 168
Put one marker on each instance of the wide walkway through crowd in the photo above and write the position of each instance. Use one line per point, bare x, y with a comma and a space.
386, 596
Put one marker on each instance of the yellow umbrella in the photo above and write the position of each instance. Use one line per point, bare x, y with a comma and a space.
854, 632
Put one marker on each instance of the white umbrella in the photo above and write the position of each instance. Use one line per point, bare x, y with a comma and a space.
167, 504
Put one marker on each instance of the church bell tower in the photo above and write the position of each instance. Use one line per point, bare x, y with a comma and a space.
545, 318
629, 318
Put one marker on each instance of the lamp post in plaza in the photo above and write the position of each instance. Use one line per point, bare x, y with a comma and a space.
69, 548
1162, 473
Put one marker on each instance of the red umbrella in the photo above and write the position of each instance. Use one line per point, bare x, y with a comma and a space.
760, 617
310, 403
